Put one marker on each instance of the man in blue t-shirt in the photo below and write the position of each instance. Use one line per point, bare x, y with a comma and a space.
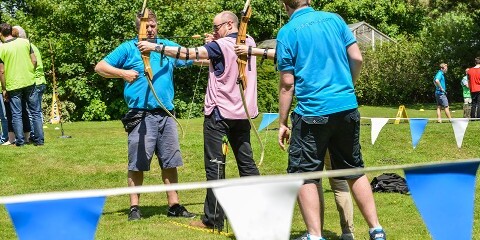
441, 92
151, 130
319, 61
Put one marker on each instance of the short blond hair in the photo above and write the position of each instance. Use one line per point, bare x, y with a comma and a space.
443, 65
229, 16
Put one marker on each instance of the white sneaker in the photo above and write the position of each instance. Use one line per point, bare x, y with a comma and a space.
7, 143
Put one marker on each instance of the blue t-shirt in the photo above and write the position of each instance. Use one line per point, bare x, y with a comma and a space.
138, 94
313, 45
441, 77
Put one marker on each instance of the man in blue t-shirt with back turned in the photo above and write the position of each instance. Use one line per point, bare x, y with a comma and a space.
441, 92
319, 61
150, 129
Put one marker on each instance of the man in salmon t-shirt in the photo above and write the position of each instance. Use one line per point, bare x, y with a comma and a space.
474, 83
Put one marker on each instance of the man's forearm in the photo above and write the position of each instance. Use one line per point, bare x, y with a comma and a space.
355, 61
2, 77
285, 102
285, 97
439, 85
107, 71
182, 52
2, 80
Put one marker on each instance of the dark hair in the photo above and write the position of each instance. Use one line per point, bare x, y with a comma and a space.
5, 29
477, 60
294, 4
151, 16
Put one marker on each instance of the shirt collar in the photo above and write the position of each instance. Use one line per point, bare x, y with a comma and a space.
11, 39
302, 11
232, 35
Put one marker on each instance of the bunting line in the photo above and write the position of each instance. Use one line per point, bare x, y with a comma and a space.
429, 119
216, 183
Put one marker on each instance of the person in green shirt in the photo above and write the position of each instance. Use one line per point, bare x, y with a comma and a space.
40, 81
467, 98
17, 67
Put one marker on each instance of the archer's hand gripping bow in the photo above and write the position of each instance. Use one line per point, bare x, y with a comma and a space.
142, 36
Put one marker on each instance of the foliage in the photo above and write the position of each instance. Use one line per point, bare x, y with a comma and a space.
403, 72
392, 75
82, 32
394, 18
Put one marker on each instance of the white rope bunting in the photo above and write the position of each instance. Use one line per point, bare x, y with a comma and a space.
215, 183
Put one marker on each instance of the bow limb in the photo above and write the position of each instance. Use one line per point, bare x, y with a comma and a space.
242, 77
142, 35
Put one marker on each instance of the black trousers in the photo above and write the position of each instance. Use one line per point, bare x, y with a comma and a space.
238, 134
475, 111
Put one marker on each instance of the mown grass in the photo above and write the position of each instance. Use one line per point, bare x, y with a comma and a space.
96, 155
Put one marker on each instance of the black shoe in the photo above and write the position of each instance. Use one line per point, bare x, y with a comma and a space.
134, 214
178, 210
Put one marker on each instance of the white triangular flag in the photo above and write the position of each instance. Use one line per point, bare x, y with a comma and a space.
459, 127
377, 125
260, 211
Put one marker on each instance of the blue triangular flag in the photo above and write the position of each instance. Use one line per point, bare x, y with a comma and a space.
56, 219
444, 196
417, 126
267, 119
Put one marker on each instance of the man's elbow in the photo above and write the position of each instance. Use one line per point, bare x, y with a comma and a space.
99, 67
357, 59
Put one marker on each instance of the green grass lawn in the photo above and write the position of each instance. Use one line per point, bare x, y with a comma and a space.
96, 158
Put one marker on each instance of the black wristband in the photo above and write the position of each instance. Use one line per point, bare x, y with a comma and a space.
196, 54
275, 61
187, 55
264, 56
249, 56
162, 52
178, 53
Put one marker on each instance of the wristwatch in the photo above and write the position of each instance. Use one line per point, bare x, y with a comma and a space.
158, 48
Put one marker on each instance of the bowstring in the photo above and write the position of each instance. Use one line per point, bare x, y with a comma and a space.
194, 93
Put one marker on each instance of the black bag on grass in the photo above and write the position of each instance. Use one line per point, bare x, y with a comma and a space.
389, 182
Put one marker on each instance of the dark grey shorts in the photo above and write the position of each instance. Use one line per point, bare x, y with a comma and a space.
311, 136
156, 133
441, 100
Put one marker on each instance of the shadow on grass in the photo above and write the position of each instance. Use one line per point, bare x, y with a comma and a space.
150, 211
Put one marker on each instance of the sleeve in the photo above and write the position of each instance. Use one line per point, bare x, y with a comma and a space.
118, 57
346, 33
437, 76
214, 50
284, 57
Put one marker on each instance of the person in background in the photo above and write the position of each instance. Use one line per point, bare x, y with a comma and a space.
40, 81
441, 92
17, 67
3, 119
473, 75
467, 98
